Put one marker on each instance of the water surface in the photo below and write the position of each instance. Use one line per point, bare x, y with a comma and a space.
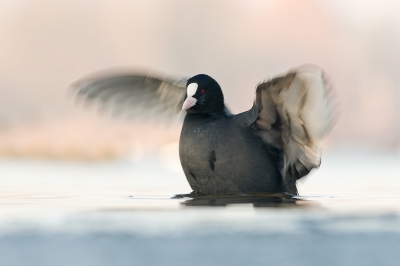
122, 212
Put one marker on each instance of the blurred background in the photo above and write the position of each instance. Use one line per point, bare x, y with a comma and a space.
46, 45
98, 187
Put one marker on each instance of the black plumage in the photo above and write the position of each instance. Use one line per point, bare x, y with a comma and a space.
266, 149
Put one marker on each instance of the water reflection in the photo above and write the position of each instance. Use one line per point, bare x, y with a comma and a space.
259, 200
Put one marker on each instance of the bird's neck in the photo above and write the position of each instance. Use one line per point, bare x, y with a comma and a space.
223, 112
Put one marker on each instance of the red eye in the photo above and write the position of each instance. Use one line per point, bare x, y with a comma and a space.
202, 91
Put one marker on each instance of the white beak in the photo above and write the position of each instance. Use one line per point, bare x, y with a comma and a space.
189, 102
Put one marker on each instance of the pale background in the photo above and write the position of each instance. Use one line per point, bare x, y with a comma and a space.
46, 45
64, 202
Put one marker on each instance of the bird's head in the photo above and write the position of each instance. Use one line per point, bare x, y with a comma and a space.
203, 95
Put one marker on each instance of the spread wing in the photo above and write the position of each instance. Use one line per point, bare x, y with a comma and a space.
135, 94
294, 114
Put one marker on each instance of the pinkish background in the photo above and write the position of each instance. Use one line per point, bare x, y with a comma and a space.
46, 45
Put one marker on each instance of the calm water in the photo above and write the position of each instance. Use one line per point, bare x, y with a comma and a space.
121, 213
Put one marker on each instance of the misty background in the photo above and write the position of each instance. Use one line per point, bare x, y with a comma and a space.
46, 45
74, 181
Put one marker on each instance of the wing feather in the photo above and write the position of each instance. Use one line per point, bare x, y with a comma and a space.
295, 114
135, 94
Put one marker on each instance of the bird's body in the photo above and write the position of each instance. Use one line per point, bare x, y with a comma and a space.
218, 155
265, 149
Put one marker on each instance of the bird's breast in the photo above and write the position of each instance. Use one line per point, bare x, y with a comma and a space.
219, 156
199, 143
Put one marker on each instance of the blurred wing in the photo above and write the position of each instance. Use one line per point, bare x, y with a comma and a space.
135, 95
294, 113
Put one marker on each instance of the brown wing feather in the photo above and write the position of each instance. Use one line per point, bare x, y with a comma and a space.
295, 114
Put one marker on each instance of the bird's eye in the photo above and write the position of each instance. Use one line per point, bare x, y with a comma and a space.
202, 91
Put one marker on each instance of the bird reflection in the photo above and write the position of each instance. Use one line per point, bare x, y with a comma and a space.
258, 200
